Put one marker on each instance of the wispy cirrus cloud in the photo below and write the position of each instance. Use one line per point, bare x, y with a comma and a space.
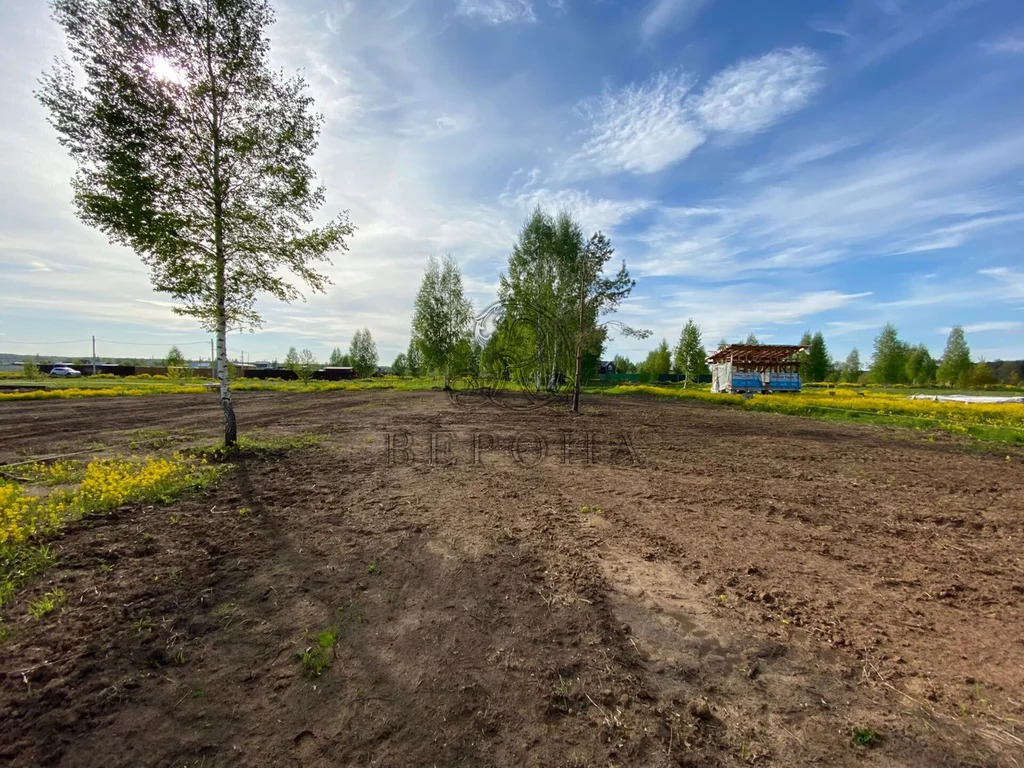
495, 12
866, 205
812, 153
758, 306
647, 127
1012, 280
955, 235
641, 128
987, 327
664, 15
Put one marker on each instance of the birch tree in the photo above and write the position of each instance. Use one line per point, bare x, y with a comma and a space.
192, 152
442, 320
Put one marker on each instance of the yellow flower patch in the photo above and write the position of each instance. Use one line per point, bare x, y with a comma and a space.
104, 485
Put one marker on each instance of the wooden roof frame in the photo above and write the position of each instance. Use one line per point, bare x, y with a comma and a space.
758, 354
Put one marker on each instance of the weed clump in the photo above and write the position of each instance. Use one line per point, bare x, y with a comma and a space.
316, 659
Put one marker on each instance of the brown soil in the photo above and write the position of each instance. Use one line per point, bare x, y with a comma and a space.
707, 587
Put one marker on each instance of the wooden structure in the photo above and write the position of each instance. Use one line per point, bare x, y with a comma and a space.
756, 368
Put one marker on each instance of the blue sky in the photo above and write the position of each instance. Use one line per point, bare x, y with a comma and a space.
761, 166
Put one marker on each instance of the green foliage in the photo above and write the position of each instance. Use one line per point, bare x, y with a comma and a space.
659, 360
18, 564
850, 371
554, 293
536, 290
865, 737
174, 357
624, 364
981, 375
363, 352
889, 363
316, 659
46, 604
441, 321
689, 356
818, 362
304, 364
177, 365
751, 339
414, 360
400, 367
921, 366
598, 296
955, 369
200, 166
339, 360
30, 370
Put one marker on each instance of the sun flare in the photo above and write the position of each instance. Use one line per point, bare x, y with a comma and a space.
162, 69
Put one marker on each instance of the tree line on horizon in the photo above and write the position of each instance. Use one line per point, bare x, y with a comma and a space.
893, 361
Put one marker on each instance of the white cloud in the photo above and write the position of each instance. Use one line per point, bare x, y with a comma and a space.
752, 95
820, 214
955, 235
1012, 280
994, 326
662, 15
593, 214
649, 126
640, 128
495, 12
813, 153
758, 307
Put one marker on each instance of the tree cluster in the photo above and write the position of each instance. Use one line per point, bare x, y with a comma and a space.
547, 324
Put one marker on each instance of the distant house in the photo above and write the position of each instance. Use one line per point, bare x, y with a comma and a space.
755, 368
382, 370
606, 366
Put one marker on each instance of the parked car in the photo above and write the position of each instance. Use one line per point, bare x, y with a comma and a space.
66, 371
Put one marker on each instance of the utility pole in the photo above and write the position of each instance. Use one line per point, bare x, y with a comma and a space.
94, 355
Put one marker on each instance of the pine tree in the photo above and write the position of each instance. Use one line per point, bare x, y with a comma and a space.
817, 359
